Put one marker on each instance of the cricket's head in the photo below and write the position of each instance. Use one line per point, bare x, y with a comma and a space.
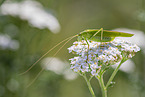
84, 33
80, 33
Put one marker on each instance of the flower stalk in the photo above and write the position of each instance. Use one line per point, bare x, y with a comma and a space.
89, 86
114, 73
103, 88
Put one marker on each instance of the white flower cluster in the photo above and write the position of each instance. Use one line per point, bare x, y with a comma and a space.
92, 56
33, 12
128, 49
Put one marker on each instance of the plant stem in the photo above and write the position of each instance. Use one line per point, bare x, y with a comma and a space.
114, 73
89, 86
103, 88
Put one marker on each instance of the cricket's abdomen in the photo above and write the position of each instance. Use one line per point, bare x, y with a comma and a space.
104, 39
89, 36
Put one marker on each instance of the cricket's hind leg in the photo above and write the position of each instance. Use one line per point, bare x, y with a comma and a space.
100, 30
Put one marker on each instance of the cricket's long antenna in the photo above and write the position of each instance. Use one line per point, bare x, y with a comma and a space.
46, 54
51, 59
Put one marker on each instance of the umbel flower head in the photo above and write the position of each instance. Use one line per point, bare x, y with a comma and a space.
94, 56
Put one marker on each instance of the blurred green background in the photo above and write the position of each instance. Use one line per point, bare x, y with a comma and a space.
28, 29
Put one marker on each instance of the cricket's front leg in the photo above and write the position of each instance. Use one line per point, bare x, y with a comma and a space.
101, 34
88, 49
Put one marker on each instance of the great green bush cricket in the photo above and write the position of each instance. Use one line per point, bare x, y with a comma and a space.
97, 35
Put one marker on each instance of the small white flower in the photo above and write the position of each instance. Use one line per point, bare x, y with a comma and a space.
94, 73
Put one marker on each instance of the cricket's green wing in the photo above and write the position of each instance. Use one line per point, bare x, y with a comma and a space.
107, 35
